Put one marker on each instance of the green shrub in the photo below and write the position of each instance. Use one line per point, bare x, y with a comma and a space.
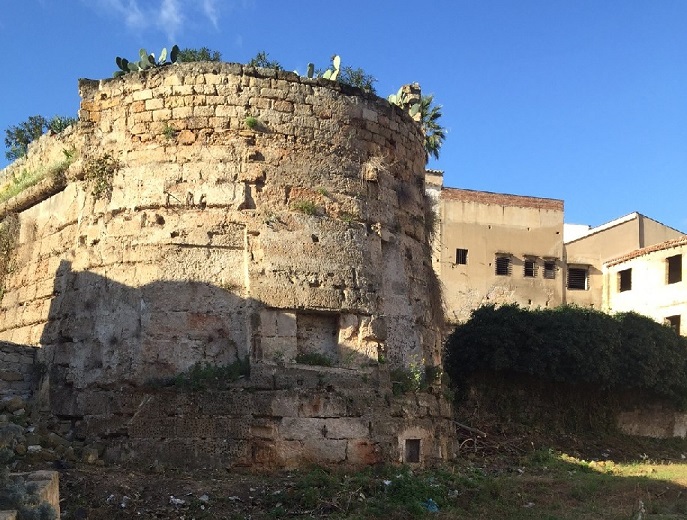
29, 178
571, 345
206, 376
313, 358
98, 173
304, 206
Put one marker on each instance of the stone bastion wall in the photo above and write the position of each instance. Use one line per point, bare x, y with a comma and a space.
213, 213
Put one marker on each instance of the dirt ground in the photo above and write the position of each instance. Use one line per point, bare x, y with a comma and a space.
92, 491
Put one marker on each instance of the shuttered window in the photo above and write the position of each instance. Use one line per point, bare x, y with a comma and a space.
550, 270
577, 278
503, 265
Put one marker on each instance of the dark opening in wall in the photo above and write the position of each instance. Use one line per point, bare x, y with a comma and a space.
503, 265
577, 278
530, 268
461, 256
674, 323
412, 450
624, 280
674, 268
317, 337
550, 269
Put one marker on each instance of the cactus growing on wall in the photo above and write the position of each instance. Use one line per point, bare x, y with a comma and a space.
147, 61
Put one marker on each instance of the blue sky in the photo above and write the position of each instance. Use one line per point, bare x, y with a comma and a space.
582, 100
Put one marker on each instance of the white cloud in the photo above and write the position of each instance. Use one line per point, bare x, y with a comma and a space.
210, 10
171, 18
168, 16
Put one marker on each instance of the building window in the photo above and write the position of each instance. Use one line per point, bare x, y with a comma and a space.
674, 268
624, 280
550, 270
503, 265
461, 256
530, 268
578, 278
674, 323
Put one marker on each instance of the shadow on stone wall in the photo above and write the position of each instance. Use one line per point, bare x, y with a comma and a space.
105, 344
105, 334
17, 370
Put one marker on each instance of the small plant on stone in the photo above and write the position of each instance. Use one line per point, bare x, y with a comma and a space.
204, 376
313, 358
251, 122
99, 173
409, 379
346, 217
9, 233
304, 206
323, 191
169, 132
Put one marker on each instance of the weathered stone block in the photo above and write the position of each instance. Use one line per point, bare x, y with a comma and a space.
301, 428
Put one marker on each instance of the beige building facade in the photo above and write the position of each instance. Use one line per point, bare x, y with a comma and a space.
651, 281
585, 255
495, 248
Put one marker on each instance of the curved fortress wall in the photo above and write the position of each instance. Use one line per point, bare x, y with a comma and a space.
252, 213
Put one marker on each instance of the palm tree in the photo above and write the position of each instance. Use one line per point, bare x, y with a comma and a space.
429, 121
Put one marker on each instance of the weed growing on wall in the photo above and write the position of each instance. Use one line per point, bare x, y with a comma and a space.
415, 378
98, 173
251, 122
304, 206
169, 132
205, 376
313, 358
9, 232
29, 178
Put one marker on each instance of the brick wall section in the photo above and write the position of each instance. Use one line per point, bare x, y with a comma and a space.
16, 370
501, 199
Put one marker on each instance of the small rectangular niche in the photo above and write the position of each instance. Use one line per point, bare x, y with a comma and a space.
317, 335
412, 451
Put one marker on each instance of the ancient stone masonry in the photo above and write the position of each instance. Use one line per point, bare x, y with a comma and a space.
216, 212
17, 370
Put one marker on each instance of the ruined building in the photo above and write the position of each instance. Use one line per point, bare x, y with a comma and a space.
225, 215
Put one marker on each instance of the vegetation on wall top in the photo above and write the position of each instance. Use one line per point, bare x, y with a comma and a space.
203, 54
261, 59
147, 61
625, 351
18, 137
